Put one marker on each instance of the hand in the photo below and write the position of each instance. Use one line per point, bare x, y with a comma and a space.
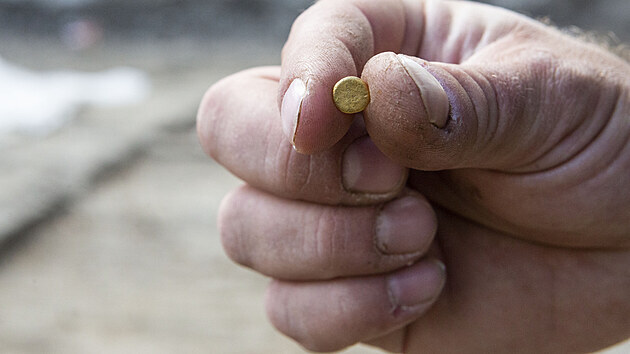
518, 136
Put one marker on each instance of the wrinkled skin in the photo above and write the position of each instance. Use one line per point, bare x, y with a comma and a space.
523, 193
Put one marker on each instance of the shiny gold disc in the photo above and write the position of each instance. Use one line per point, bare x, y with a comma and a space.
351, 95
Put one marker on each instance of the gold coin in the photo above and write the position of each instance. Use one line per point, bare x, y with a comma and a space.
351, 95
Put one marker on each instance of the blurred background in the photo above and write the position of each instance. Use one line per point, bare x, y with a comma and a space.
108, 240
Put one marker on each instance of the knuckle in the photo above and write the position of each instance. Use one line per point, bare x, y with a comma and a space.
289, 173
328, 241
232, 234
285, 313
309, 177
207, 118
289, 315
297, 171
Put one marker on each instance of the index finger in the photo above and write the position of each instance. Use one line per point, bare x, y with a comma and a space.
331, 40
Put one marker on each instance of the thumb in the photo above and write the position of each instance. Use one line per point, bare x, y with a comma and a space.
521, 113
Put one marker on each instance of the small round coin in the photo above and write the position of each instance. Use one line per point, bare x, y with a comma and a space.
351, 95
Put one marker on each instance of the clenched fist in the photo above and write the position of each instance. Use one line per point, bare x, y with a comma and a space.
481, 202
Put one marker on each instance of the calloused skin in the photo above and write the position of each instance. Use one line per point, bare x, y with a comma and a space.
523, 195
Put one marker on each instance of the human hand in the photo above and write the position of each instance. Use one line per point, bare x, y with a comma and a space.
526, 164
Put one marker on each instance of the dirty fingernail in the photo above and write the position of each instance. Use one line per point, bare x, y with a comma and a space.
291, 107
366, 170
405, 225
416, 287
432, 93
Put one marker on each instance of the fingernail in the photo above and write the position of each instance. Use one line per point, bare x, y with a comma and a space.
416, 287
405, 225
366, 170
432, 93
291, 107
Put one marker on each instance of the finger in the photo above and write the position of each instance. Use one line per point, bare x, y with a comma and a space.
334, 39
329, 41
557, 299
331, 315
239, 126
297, 240
504, 109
